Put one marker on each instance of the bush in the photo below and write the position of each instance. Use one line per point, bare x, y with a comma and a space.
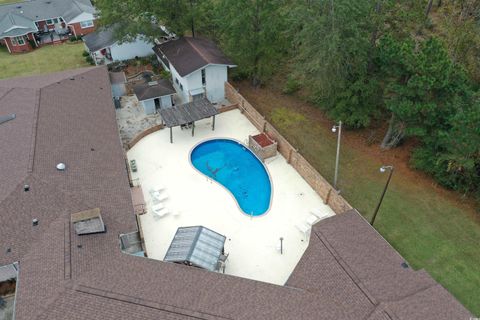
32, 43
75, 38
291, 86
85, 53
165, 74
90, 60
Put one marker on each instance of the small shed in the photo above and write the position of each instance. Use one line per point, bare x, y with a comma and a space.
88, 221
155, 95
196, 246
118, 80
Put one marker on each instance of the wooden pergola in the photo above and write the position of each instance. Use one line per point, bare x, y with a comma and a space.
187, 114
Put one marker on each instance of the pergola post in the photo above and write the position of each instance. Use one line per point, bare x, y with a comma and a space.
213, 123
193, 128
171, 135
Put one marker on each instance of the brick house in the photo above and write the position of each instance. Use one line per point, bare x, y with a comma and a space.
29, 24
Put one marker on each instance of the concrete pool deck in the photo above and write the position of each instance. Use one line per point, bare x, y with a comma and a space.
252, 243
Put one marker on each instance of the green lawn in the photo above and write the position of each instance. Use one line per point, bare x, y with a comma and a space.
42, 60
9, 1
432, 232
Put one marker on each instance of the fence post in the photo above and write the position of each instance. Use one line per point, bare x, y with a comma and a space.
289, 160
327, 198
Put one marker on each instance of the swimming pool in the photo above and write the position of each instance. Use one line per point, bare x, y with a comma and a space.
235, 167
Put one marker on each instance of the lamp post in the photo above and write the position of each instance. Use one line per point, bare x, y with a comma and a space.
382, 170
339, 135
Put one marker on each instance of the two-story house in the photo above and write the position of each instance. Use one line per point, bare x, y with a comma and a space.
198, 67
29, 24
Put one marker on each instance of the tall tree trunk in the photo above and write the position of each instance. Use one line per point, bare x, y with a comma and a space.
394, 134
256, 31
193, 18
374, 37
429, 8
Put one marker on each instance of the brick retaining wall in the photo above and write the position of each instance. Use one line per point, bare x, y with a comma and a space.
296, 160
143, 134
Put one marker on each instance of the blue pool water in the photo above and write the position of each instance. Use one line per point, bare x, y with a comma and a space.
237, 169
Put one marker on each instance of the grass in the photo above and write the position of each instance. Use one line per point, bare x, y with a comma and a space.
429, 226
9, 1
43, 60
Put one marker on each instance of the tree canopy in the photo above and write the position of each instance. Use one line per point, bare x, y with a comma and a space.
412, 65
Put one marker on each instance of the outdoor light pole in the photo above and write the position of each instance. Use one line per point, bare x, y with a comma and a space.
339, 135
382, 170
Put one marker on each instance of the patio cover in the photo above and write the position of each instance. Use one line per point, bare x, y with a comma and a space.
198, 246
188, 113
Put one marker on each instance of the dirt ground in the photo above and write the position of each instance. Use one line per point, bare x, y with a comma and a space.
132, 120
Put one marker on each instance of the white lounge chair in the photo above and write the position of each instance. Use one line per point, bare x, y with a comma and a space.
159, 196
157, 209
161, 212
304, 229
317, 212
312, 219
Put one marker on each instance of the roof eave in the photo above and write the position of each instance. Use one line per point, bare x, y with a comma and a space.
208, 64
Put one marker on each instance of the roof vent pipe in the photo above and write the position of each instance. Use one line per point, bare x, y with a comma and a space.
34, 222
26, 188
61, 166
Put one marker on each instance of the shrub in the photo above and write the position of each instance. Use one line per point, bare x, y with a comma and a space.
75, 38
90, 60
165, 74
85, 53
32, 43
291, 86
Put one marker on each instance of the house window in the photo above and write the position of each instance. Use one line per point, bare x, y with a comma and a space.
204, 79
86, 24
18, 41
55, 20
49, 22
176, 81
181, 87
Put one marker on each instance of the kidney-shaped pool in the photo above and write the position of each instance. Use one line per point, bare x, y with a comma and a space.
238, 169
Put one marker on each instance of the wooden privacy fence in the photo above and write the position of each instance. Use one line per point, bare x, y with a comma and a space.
321, 186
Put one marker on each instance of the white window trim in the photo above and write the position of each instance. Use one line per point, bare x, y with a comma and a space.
90, 24
16, 41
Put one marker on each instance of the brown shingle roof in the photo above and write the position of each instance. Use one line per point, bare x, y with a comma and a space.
190, 54
347, 272
153, 89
